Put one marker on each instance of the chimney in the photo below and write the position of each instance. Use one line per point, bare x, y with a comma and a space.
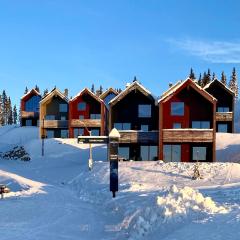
66, 92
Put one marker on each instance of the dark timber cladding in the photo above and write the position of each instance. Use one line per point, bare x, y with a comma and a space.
187, 123
135, 114
54, 115
225, 105
30, 108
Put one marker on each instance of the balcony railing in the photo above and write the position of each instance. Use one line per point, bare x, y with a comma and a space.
85, 123
224, 116
188, 135
132, 136
54, 123
25, 114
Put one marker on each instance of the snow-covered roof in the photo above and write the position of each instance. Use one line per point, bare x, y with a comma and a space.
30, 92
178, 86
131, 87
219, 82
87, 90
54, 92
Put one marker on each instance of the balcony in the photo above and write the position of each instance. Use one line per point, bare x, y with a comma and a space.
188, 135
55, 123
25, 114
85, 123
224, 116
132, 136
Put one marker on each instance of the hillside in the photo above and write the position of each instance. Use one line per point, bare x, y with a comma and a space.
56, 197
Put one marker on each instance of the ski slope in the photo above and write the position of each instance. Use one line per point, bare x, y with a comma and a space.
56, 197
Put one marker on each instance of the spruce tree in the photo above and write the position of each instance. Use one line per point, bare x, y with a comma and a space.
45, 92
1, 112
37, 88
15, 114
223, 78
100, 90
200, 80
213, 76
93, 88
9, 112
4, 107
233, 85
26, 90
191, 74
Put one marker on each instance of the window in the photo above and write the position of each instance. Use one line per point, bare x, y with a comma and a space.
148, 153
64, 133
63, 107
81, 116
201, 124
50, 117
94, 132
32, 105
144, 111
177, 125
95, 116
108, 98
144, 128
78, 132
63, 117
50, 134
222, 127
223, 109
82, 106
122, 126
28, 122
123, 153
172, 153
177, 109
199, 153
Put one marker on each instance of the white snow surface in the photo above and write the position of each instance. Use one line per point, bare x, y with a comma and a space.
56, 197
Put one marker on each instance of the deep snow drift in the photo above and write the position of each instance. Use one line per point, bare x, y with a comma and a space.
56, 197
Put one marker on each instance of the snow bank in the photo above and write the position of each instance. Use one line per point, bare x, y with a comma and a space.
174, 205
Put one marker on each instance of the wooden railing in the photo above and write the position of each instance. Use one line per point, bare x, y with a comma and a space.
224, 116
54, 123
85, 123
132, 136
188, 135
25, 114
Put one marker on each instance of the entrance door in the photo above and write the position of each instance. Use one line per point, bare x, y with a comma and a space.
172, 153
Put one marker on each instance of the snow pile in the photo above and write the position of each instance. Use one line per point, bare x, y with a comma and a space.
175, 205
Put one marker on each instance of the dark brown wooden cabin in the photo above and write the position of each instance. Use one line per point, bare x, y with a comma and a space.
86, 113
187, 124
225, 105
135, 114
54, 115
30, 108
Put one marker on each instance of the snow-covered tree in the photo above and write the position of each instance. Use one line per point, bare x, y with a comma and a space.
233, 84
15, 114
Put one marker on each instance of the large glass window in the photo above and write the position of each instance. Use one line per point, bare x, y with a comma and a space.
148, 153
63, 107
50, 133
123, 153
32, 105
172, 153
122, 126
82, 106
28, 122
78, 132
63, 118
222, 127
177, 125
199, 153
95, 132
201, 124
64, 133
50, 117
177, 108
223, 109
144, 110
144, 128
81, 116
95, 116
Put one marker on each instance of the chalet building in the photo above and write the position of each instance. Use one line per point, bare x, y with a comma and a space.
87, 113
187, 124
30, 108
225, 105
134, 113
54, 115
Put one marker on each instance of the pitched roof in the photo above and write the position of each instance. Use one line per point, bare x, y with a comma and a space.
181, 85
87, 91
220, 84
30, 92
134, 85
108, 91
53, 93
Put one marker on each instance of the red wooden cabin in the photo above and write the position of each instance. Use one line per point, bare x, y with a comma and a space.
86, 113
187, 126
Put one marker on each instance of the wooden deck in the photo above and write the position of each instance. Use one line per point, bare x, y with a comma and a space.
224, 116
85, 123
25, 114
55, 124
138, 137
188, 135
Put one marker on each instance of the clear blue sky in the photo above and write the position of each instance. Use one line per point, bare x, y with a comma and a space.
76, 43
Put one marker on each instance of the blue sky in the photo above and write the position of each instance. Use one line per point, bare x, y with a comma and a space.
76, 43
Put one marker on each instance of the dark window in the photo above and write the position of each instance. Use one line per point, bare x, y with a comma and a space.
177, 125
50, 134
122, 126
78, 132
123, 153
144, 128
63, 107
199, 153
95, 132
172, 153
223, 109
81, 116
95, 116
64, 133
28, 122
32, 105
201, 124
177, 109
148, 153
82, 106
63, 117
144, 111
50, 117
222, 127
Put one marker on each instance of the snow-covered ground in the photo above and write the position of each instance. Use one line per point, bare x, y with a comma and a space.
55, 197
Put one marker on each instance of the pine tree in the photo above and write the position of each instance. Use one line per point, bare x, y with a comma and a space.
191, 74
93, 88
223, 78
15, 114
100, 90
200, 80
206, 78
213, 76
37, 88
4, 107
26, 90
9, 112
1, 112
45, 92
233, 85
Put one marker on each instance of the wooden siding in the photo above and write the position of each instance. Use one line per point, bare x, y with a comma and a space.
138, 137
85, 123
188, 135
55, 124
224, 116
25, 114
